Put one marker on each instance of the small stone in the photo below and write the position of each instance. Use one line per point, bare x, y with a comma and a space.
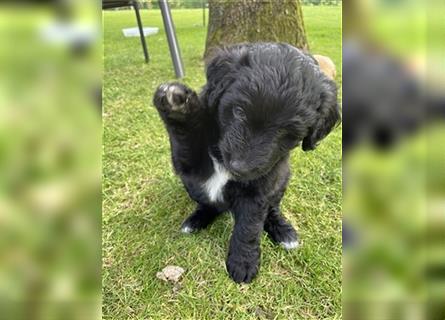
170, 273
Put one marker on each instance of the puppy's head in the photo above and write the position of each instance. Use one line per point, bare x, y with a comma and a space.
268, 103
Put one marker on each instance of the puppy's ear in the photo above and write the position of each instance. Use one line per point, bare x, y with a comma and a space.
327, 116
221, 72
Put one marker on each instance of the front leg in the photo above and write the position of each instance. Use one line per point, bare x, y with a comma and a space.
279, 229
243, 260
189, 125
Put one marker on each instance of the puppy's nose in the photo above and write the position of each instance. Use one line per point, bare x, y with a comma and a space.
239, 167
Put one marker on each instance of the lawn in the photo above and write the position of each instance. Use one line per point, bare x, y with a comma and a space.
144, 203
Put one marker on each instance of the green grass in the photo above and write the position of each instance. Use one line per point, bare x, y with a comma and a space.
144, 203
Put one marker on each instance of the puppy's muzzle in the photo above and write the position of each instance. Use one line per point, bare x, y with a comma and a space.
239, 168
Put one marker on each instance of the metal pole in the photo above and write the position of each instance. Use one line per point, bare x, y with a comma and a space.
141, 30
171, 38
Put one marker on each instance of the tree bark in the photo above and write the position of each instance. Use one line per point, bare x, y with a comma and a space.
235, 21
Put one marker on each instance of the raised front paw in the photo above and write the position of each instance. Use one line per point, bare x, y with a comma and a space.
176, 99
243, 268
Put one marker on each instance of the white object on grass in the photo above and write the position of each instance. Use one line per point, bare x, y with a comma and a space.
68, 33
170, 273
134, 32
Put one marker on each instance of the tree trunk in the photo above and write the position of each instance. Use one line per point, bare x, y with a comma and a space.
235, 21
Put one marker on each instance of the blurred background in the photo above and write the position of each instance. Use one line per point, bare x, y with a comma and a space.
50, 158
393, 159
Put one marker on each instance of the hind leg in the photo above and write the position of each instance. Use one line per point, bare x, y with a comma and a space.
280, 230
203, 216
277, 227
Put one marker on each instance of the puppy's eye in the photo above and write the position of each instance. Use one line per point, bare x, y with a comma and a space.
239, 113
288, 140
289, 143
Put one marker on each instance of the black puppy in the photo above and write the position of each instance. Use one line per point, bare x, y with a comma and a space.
231, 144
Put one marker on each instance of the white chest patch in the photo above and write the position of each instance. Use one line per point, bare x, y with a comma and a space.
214, 186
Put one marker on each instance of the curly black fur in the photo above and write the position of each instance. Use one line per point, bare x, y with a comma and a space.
231, 144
